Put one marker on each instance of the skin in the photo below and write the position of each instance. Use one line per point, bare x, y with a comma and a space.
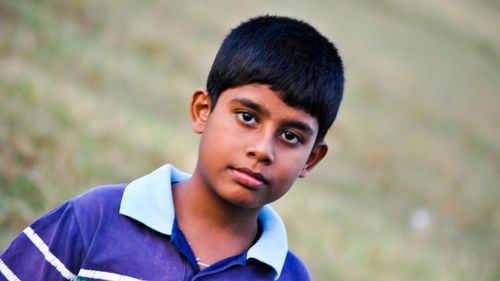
253, 147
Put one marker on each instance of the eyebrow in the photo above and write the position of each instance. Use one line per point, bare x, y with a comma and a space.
300, 125
250, 104
263, 111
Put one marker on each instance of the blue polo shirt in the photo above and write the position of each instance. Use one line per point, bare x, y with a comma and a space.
129, 232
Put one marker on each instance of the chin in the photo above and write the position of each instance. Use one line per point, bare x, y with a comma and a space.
245, 203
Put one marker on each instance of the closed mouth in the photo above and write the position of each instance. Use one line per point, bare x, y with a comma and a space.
248, 177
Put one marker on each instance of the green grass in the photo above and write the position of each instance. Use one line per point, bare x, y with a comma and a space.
95, 92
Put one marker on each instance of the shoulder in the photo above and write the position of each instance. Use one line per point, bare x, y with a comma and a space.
63, 236
93, 202
98, 205
294, 269
80, 217
101, 194
106, 196
86, 211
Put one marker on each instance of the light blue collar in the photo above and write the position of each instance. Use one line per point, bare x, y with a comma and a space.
149, 200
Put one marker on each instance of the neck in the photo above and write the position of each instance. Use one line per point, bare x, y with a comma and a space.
215, 229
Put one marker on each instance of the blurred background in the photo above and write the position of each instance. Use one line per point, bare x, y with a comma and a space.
95, 92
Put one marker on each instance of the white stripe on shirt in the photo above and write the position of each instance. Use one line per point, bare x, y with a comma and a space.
102, 275
53, 260
5, 270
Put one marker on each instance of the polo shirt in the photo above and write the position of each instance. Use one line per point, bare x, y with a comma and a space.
129, 232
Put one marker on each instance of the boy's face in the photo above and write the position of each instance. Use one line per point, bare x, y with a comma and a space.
253, 145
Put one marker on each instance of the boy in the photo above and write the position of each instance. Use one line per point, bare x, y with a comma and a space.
272, 93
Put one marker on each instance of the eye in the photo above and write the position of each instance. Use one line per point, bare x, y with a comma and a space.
290, 137
247, 118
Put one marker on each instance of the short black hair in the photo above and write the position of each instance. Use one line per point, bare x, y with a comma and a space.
289, 55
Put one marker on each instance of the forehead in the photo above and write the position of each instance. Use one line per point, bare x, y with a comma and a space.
268, 100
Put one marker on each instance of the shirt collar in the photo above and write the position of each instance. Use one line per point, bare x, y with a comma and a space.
149, 200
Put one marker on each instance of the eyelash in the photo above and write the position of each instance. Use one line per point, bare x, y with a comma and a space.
242, 114
297, 138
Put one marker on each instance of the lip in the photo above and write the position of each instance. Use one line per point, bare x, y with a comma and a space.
248, 178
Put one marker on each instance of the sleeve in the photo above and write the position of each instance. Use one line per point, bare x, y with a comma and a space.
52, 248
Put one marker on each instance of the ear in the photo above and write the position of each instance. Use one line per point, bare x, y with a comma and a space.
200, 110
318, 152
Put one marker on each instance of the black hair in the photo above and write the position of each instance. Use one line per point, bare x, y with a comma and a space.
290, 56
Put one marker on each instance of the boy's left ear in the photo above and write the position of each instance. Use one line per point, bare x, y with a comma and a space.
318, 152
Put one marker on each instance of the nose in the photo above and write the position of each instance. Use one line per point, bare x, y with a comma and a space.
262, 149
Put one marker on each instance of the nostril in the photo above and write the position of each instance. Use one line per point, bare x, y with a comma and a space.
261, 154
266, 161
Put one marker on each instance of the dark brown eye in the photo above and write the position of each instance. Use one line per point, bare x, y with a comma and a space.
247, 118
290, 137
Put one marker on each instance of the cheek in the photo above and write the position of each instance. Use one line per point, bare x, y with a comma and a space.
289, 168
279, 190
217, 139
294, 161
289, 171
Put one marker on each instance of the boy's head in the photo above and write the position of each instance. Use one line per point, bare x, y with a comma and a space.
290, 56
273, 92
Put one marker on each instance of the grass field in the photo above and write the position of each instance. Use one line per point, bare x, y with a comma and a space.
95, 92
